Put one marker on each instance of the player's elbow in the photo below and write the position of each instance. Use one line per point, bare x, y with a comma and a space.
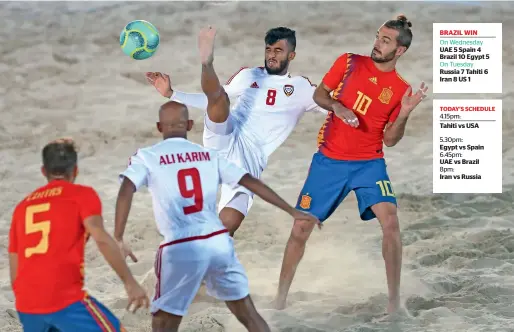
247, 181
320, 94
95, 228
390, 140
389, 143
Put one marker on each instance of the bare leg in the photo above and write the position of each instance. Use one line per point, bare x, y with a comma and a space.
391, 250
165, 322
231, 219
245, 312
218, 108
293, 253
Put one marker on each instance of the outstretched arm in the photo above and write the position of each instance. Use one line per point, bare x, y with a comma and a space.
162, 83
196, 100
233, 175
260, 189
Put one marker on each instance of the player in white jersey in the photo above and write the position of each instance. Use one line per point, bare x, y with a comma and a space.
270, 101
183, 180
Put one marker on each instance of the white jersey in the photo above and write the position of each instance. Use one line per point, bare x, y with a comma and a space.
267, 108
183, 179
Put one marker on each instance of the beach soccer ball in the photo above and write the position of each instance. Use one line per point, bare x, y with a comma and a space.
139, 39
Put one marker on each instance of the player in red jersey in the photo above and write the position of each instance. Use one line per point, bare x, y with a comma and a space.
369, 107
49, 231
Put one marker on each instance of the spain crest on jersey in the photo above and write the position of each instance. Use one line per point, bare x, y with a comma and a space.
288, 89
385, 95
305, 202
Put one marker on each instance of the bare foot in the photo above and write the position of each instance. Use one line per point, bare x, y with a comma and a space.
206, 45
393, 311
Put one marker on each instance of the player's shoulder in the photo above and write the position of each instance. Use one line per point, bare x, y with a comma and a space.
143, 153
302, 80
243, 72
354, 58
402, 81
20, 205
140, 152
349, 56
82, 190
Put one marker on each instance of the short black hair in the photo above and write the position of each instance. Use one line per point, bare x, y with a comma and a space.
59, 157
402, 25
276, 34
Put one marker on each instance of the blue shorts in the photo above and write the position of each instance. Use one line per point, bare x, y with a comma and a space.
87, 315
329, 181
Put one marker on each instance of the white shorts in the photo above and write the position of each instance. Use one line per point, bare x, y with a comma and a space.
230, 144
182, 267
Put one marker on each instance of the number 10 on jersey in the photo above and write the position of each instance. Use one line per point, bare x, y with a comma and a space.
362, 103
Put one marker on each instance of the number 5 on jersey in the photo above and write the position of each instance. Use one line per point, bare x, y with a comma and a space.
195, 192
32, 226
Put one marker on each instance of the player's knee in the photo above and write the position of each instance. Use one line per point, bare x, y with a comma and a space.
390, 224
301, 231
218, 107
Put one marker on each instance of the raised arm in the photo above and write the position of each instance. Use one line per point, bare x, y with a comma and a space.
162, 83
395, 128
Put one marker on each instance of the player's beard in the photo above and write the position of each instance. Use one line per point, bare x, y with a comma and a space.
282, 65
388, 57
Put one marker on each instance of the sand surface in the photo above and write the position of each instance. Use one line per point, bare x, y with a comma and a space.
62, 73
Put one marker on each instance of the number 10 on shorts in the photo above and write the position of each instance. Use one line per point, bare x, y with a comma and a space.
386, 188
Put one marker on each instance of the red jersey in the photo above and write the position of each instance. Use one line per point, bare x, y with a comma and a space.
375, 98
48, 234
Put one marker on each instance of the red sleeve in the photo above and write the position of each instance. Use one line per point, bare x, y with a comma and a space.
334, 76
13, 240
394, 114
89, 203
